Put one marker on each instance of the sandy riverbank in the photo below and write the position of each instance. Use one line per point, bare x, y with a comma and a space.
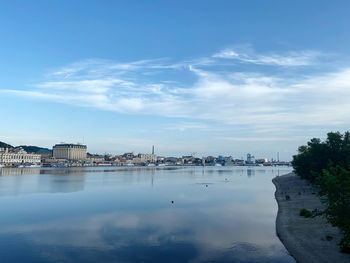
304, 238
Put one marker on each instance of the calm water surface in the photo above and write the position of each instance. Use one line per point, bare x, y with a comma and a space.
219, 214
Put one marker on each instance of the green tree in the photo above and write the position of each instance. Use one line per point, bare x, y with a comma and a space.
327, 164
335, 190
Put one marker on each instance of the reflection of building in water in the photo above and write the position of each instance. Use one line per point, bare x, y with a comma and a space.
19, 171
18, 156
250, 172
70, 151
67, 183
45, 181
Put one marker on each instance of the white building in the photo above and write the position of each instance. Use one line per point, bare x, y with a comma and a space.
18, 156
70, 151
148, 158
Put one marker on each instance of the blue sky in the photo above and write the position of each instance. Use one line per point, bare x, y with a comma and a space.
212, 77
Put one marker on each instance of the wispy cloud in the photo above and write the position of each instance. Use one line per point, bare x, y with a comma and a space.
257, 100
184, 126
264, 139
94, 68
289, 59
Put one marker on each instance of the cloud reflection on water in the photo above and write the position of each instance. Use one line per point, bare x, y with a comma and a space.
117, 232
225, 222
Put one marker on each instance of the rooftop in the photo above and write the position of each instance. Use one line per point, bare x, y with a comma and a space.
70, 145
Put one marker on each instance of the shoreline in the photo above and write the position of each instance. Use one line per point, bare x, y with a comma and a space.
304, 238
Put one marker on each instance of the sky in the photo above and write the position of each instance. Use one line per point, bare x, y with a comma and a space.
203, 77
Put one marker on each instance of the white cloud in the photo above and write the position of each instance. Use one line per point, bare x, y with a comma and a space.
264, 139
183, 126
291, 59
257, 100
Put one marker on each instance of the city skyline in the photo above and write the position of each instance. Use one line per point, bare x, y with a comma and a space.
212, 78
244, 156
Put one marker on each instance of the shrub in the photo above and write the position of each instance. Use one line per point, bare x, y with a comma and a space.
345, 244
329, 238
305, 213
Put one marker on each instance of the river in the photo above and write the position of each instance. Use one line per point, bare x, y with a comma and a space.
179, 214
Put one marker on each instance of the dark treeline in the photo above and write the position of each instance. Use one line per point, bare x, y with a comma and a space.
327, 165
33, 149
5, 145
27, 148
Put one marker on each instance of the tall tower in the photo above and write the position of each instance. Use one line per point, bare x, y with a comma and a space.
152, 149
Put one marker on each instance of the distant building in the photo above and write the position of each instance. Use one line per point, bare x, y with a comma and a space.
70, 151
189, 159
137, 160
220, 160
261, 161
229, 161
128, 156
129, 163
160, 158
172, 161
18, 156
44, 153
95, 158
148, 158
210, 160
239, 162
250, 159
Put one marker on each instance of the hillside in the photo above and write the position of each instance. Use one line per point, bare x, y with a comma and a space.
5, 145
27, 148
34, 149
